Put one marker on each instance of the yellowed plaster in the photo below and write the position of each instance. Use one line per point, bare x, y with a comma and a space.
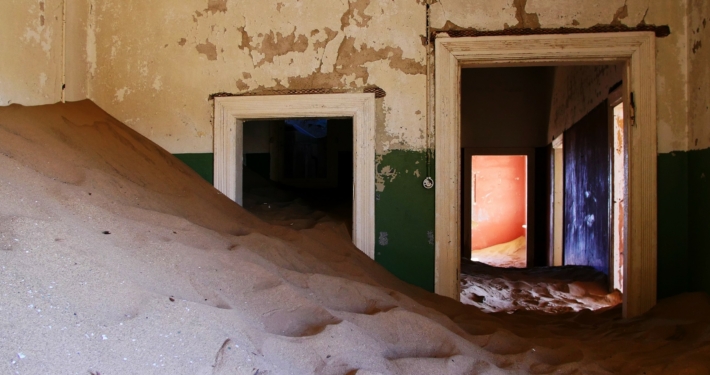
699, 73
203, 47
32, 51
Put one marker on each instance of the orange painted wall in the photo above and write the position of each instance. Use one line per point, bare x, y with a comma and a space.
498, 214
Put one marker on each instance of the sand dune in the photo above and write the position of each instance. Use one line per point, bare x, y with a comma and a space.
118, 259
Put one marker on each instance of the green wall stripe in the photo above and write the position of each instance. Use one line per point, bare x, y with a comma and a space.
673, 264
203, 164
404, 218
699, 219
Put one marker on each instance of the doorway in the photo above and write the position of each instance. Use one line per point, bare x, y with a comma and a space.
297, 172
637, 51
231, 112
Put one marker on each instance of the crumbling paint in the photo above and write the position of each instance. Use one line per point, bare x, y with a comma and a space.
208, 49
318, 44
31, 62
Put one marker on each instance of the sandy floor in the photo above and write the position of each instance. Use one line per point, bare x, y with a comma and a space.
551, 290
509, 254
118, 259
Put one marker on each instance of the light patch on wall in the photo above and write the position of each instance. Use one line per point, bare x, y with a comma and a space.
157, 83
91, 41
42, 80
121, 93
115, 46
384, 240
39, 33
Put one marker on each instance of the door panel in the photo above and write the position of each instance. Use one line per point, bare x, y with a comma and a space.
587, 199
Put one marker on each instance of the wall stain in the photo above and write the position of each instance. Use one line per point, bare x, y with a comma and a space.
279, 45
208, 49
241, 85
215, 6
330, 35
356, 14
621, 13
351, 61
182, 42
525, 20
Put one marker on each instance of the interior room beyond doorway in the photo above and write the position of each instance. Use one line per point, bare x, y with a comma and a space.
299, 171
516, 245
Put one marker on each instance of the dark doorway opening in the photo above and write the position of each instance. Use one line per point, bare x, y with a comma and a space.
298, 172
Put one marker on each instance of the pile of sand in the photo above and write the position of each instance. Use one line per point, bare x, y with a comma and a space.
118, 259
508, 254
551, 290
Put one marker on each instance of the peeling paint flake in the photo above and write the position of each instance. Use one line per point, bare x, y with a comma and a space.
216, 6
208, 49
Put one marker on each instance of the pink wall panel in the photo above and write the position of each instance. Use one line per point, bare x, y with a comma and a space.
499, 204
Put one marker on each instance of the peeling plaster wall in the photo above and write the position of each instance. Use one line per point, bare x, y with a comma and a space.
154, 64
671, 63
699, 72
31, 58
577, 90
77, 16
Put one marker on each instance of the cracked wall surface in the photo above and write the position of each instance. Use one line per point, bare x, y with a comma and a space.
31, 58
157, 71
671, 63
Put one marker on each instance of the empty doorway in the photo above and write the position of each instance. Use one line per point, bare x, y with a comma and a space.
637, 51
230, 113
297, 172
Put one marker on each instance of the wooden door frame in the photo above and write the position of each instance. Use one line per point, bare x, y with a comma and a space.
231, 112
637, 50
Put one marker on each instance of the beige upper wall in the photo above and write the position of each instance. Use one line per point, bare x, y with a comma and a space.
153, 64
31, 52
672, 61
157, 62
35, 45
699, 73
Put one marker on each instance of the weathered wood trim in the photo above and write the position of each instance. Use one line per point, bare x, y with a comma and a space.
231, 112
638, 50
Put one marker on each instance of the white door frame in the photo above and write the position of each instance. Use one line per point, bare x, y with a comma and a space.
638, 50
231, 112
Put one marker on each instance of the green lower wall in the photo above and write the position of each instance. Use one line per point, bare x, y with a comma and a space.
673, 258
203, 164
699, 219
404, 217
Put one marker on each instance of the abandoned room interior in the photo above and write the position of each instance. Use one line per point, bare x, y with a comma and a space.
354, 187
